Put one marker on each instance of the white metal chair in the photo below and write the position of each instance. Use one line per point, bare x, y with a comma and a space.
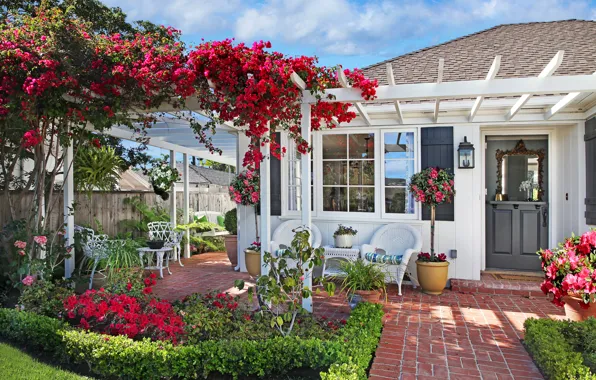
395, 239
172, 238
95, 247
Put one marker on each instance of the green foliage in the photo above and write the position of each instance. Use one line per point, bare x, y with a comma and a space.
207, 244
45, 297
118, 280
554, 347
345, 230
231, 221
360, 275
96, 169
122, 255
148, 214
18, 365
346, 356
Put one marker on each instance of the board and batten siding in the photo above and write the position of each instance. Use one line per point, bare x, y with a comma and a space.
590, 201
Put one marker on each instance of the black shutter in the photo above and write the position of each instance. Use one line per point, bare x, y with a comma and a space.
275, 183
437, 151
590, 139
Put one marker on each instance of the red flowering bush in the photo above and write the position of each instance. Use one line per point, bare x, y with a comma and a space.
570, 270
244, 188
120, 314
426, 257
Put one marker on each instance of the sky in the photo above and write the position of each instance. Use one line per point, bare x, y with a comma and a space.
353, 33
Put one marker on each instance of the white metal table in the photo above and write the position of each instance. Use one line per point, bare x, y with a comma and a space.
160, 253
333, 254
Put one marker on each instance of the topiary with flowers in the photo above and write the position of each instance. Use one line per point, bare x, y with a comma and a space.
570, 270
432, 187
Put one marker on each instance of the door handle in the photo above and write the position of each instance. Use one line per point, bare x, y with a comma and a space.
544, 210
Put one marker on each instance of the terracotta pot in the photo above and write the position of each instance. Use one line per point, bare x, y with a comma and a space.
369, 295
575, 312
253, 262
432, 276
231, 243
343, 241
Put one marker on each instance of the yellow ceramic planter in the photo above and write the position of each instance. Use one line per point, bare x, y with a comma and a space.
253, 262
432, 276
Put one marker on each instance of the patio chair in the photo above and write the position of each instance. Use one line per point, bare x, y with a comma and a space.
399, 241
172, 238
283, 236
95, 248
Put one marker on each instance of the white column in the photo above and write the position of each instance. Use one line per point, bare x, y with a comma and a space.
305, 188
173, 214
265, 173
68, 190
186, 218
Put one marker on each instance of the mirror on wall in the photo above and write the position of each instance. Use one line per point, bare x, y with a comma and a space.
520, 173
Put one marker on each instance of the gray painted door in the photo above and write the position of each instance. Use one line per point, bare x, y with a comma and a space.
514, 233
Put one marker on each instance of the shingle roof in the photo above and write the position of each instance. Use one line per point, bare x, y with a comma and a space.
201, 175
525, 50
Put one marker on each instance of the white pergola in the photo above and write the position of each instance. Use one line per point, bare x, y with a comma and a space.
546, 97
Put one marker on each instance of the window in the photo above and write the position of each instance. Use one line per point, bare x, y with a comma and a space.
348, 172
399, 165
294, 184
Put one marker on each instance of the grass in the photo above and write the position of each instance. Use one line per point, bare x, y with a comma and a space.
15, 364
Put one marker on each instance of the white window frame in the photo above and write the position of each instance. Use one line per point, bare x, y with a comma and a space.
286, 141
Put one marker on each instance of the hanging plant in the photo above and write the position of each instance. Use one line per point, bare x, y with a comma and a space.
163, 177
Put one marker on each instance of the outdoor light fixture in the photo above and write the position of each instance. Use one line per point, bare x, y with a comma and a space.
466, 154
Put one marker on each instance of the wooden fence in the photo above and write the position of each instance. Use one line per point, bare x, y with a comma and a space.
110, 208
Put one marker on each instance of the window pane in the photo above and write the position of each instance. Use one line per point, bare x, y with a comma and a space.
362, 199
398, 172
399, 144
362, 172
398, 201
335, 173
294, 198
334, 147
295, 173
334, 199
362, 145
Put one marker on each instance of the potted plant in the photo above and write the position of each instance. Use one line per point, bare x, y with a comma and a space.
432, 187
163, 176
252, 256
231, 240
155, 243
343, 236
570, 277
432, 272
363, 281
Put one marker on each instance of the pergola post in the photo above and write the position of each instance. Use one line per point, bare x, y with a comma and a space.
173, 211
68, 192
305, 189
186, 217
265, 173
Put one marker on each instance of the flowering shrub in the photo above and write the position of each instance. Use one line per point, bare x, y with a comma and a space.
426, 257
570, 270
120, 314
162, 177
432, 186
244, 188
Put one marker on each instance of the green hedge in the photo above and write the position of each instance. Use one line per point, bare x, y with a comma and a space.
345, 357
552, 351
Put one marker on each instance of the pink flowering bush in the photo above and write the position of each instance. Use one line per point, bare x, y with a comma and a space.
570, 270
244, 189
432, 186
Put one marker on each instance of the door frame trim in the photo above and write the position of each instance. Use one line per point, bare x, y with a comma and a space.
514, 130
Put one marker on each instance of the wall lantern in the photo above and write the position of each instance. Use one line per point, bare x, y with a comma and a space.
466, 154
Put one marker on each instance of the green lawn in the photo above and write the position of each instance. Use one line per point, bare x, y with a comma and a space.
15, 364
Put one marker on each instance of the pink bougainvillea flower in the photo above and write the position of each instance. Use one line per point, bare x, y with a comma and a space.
41, 240
28, 280
20, 244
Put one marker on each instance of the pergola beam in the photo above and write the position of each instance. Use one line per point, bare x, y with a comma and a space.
561, 104
298, 81
492, 73
548, 70
343, 81
391, 81
439, 80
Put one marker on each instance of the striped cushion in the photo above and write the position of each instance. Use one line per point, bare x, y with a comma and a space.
280, 251
383, 259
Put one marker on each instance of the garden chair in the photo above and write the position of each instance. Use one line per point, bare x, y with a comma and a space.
283, 236
95, 248
399, 242
171, 237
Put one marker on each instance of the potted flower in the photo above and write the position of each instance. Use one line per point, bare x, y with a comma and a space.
155, 243
231, 240
343, 236
432, 272
162, 177
363, 281
570, 277
432, 187
252, 257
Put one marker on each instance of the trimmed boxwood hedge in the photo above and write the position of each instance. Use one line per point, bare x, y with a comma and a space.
346, 356
552, 351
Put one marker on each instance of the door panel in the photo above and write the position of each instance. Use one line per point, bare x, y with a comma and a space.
502, 229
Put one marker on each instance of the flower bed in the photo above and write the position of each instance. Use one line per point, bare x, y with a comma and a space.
563, 349
345, 355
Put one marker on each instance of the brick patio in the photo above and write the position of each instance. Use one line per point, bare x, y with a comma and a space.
459, 335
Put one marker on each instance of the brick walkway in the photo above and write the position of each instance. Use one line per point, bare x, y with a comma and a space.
459, 335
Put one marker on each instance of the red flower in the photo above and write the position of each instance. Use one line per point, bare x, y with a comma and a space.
147, 290
153, 275
128, 286
147, 281
96, 143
